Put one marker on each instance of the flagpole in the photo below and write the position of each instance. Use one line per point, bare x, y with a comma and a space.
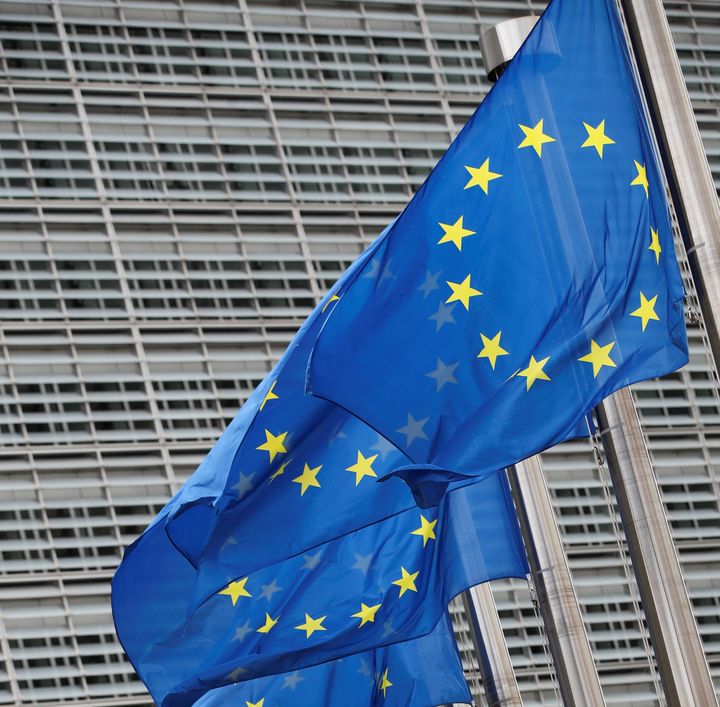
681, 662
686, 164
559, 608
501, 688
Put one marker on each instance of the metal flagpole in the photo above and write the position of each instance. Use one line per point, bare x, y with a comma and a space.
501, 688
576, 672
683, 669
683, 153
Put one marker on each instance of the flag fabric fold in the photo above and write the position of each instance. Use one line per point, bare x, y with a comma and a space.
531, 275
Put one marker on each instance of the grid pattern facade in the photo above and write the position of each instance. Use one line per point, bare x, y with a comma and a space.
179, 182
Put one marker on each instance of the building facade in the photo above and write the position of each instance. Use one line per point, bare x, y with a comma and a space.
180, 181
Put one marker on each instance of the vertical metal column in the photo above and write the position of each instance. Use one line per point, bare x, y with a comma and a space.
683, 669
686, 165
577, 676
501, 688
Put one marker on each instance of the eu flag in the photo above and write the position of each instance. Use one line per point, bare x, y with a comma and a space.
533, 272
281, 551
419, 673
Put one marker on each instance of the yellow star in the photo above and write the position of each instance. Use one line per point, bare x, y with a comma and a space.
311, 625
362, 467
646, 310
407, 581
492, 349
269, 395
534, 372
259, 703
655, 244
462, 292
481, 176
599, 356
384, 682
426, 529
641, 180
279, 471
235, 590
455, 233
308, 478
332, 299
535, 138
597, 137
273, 445
366, 613
269, 623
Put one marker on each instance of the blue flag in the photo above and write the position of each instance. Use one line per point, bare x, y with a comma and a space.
531, 275
282, 546
420, 673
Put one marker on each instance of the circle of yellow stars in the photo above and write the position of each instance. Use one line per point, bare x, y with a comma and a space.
463, 291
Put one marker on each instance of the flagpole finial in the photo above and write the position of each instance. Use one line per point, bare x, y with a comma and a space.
500, 43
